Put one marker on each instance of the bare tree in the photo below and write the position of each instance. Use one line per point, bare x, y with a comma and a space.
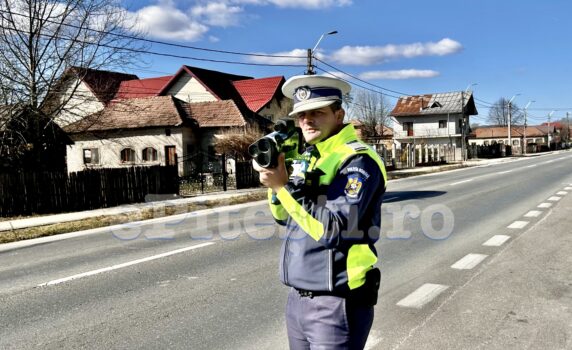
40, 40
235, 141
499, 113
372, 110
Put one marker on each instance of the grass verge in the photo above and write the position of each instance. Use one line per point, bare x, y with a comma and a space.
161, 210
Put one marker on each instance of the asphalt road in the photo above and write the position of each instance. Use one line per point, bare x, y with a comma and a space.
210, 281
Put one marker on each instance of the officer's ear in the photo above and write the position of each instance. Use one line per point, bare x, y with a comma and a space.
340, 114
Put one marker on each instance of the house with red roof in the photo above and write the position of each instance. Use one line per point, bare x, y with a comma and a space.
536, 137
172, 119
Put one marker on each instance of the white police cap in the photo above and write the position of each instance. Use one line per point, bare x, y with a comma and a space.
314, 91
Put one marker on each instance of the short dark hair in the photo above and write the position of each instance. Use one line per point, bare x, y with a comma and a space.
336, 106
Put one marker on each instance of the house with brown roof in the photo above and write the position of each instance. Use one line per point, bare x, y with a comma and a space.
435, 125
536, 137
172, 119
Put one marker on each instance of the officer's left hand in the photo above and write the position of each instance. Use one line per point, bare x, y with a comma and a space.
274, 178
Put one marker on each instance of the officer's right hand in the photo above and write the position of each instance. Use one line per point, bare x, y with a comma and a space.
274, 178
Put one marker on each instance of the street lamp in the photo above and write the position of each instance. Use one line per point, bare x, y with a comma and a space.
469, 86
548, 130
510, 118
524, 136
310, 70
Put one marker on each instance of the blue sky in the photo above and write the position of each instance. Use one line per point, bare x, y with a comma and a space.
506, 47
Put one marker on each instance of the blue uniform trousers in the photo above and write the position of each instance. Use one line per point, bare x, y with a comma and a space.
326, 322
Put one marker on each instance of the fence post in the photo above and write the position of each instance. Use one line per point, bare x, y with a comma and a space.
224, 174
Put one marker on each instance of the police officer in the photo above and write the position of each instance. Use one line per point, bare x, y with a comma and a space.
330, 203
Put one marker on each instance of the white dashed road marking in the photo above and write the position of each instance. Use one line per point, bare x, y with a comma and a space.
545, 205
533, 214
469, 261
562, 193
532, 165
422, 295
120, 266
518, 224
461, 182
505, 172
373, 339
554, 199
496, 241
568, 188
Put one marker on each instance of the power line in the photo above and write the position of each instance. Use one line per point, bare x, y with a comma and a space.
159, 53
125, 36
359, 79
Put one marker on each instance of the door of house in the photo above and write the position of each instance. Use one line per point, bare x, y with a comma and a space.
170, 155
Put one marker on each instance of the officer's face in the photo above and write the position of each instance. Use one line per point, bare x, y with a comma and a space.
319, 124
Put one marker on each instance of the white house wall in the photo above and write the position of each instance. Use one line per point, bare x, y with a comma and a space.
189, 89
429, 125
277, 109
110, 145
81, 104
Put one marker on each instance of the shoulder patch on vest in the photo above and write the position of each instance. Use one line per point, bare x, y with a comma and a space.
357, 146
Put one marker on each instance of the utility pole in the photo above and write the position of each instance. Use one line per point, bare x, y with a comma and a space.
310, 54
525, 116
567, 130
309, 66
548, 131
510, 120
463, 125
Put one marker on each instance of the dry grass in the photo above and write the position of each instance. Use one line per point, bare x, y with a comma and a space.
102, 221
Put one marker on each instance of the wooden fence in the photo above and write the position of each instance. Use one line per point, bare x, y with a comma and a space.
26, 193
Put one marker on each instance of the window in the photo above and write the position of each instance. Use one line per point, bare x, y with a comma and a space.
442, 124
515, 142
408, 127
167, 132
127, 155
90, 156
149, 154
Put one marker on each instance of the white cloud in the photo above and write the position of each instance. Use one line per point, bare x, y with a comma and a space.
165, 21
338, 75
307, 4
398, 74
218, 14
369, 55
296, 56
213, 39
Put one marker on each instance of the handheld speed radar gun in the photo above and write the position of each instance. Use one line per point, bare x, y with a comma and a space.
286, 138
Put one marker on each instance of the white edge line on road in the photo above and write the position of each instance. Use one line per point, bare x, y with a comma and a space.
533, 214
120, 266
518, 224
461, 182
422, 295
544, 205
505, 172
469, 261
496, 241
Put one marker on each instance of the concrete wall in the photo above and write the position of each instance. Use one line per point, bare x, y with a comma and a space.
110, 145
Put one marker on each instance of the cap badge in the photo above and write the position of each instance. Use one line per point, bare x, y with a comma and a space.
303, 93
